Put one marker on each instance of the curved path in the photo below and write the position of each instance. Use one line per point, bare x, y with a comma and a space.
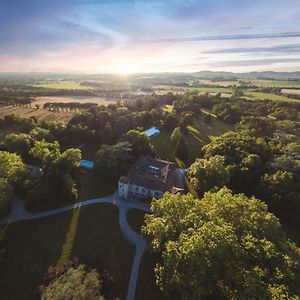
19, 213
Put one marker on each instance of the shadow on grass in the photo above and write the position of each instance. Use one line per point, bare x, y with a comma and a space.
31, 247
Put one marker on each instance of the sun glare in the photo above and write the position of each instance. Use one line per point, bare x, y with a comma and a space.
124, 69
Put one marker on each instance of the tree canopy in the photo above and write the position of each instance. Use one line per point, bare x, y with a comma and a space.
75, 284
221, 246
207, 174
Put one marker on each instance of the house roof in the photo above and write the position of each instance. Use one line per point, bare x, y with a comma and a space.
86, 164
141, 174
152, 132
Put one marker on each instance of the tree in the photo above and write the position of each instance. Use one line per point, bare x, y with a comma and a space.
113, 160
223, 246
140, 142
12, 170
175, 136
18, 143
44, 152
281, 191
208, 174
181, 150
76, 283
69, 160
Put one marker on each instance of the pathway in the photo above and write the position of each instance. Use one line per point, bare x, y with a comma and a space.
19, 213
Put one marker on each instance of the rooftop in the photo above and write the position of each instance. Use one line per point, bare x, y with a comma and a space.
151, 132
86, 164
152, 173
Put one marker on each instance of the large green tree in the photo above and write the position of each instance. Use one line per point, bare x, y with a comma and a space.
12, 170
223, 246
140, 142
207, 174
77, 283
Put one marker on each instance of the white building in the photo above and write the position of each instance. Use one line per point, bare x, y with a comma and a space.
148, 178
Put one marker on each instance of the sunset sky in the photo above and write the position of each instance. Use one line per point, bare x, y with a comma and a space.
124, 36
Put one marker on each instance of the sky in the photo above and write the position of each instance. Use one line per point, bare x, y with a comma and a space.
141, 36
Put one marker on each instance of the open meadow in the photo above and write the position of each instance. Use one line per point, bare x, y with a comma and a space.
91, 234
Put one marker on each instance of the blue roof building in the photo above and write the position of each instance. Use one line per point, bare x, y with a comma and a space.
86, 164
152, 132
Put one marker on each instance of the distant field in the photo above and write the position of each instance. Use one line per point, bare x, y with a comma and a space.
98, 100
213, 90
40, 114
275, 83
222, 83
63, 85
32, 246
291, 91
268, 96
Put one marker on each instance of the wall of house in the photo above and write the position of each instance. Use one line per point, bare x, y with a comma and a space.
123, 190
140, 193
136, 192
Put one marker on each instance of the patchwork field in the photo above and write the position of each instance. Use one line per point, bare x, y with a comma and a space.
33, 246
291, 91
40, 114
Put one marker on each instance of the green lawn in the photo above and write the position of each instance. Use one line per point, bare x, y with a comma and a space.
199, 135
91, 186
63, 85
32, 246
135, 218
275, 83
146, 288
268, 96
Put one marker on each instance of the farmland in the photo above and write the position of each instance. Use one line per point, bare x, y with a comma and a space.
268, 96
40, 114
97, 100
62, 85
291, 91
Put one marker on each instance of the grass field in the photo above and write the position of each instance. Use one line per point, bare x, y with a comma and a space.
268, 96
92, 187
275, 83
63, 85
135, 218
199, 135
32, 246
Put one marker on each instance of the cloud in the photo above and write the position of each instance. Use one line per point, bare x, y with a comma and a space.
228, 37
289, 48
252, 62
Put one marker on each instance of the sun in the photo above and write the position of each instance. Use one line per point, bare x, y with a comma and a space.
125, 69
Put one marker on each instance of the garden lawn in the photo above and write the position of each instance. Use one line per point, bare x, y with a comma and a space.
199, 135
146, 288
91, 186
32, 246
